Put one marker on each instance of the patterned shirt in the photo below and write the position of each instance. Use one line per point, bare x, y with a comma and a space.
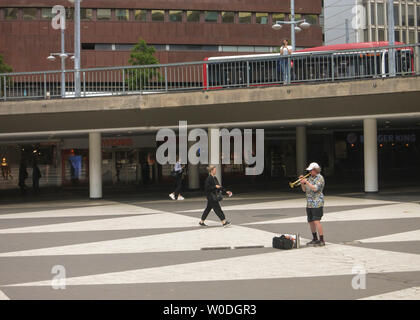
315, 199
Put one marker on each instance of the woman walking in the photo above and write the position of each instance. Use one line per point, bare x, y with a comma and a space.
178, 175
214, 192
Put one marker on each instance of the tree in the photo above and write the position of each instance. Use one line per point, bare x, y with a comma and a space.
4, 68
142, 55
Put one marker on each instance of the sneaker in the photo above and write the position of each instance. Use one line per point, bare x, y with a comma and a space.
172, 196
202, 224
180, 197
312, 243
320, 243
227, 224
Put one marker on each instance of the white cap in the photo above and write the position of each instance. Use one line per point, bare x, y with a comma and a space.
312, 166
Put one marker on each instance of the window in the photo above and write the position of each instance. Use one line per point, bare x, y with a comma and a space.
244, 17
158, 15
103, 14
46, 14
86, 14
380, 14
397, 15
411, 36
397, 36
411, 15
70, 13
211, 16
193, 16
298, 16
278, 17
418, 16
261, 18
403, 17
140, 15
372, 13
175, 15
122, 14
312, 19
11, 13
228, 17
381, 35
29, 13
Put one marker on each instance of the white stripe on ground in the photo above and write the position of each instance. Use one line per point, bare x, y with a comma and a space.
332, 260
158, 220
105, 210
390, 211
301, 203
405, 294
3, 296
396, 237
178, 241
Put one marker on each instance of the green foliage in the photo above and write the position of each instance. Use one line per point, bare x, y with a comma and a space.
4, 68
142, 55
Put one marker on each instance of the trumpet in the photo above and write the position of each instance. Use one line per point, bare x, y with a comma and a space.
297, 182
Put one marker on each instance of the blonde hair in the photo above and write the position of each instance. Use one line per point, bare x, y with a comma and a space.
210, 168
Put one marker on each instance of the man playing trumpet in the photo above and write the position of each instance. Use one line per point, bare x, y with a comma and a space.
313, 186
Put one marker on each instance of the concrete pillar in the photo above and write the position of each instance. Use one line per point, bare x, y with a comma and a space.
214, 151
370, 139
95, 165
301, 150
193, 173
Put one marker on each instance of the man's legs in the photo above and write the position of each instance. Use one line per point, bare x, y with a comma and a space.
318, 226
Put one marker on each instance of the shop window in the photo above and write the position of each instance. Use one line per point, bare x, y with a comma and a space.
312, 19
211, 16
122, 14
261, 18
397, 36
175, 15
381, 35
86, 14
193, 16
140, 15
418, 16
244, 17
397, 21
103, 14
29, 13
411, 36
228, 17
380, 14
158, 15
11, 13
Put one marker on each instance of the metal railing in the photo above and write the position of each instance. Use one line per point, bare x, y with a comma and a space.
219, 73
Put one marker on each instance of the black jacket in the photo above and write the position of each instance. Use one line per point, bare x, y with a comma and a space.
210, 188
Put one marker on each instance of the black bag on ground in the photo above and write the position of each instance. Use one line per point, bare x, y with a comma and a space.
282, 243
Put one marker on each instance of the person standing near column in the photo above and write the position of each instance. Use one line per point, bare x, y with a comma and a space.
178, 175
36, 175
313, 187
214, 192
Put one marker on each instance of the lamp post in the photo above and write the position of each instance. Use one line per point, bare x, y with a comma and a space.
77, 85
296, 25
59, 22
391, 38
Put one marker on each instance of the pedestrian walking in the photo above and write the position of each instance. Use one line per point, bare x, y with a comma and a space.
36, 175
313, 187
214, 192
177, 173
23, 175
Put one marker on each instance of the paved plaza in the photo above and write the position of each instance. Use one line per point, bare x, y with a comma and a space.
154, 249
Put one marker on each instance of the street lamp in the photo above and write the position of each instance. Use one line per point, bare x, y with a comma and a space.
77, 86
296, 25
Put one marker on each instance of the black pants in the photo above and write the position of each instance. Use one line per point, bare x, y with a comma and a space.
178, 185
215, 205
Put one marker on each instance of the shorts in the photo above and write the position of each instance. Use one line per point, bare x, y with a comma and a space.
314, 214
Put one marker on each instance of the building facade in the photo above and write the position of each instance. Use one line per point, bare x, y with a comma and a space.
367, 20
180, 30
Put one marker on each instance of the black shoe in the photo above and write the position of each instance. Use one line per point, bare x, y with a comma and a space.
227, 224
320, 243
312, 243
202, 224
